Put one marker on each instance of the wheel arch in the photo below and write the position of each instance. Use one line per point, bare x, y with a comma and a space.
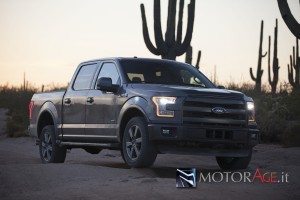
132, 108
47, 116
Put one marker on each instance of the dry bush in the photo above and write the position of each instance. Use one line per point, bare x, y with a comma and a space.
277, 115
16, 99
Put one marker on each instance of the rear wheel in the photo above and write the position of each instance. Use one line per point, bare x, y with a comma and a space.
234, 163
50, 152
137, 150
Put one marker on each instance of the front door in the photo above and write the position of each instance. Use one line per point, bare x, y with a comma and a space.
101, 110
74, 103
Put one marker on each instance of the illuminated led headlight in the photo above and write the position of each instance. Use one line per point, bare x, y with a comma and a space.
250, 105
251, 113
161, 103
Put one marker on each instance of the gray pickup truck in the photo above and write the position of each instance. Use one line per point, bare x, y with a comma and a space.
144, 107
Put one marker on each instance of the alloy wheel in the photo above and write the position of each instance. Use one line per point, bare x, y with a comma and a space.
47, 146
134, 142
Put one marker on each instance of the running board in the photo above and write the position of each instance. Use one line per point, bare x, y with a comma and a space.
80, 145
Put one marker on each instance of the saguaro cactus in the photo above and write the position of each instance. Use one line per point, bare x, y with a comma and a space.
275, 66
288, 17
294, 65
189, 57
170, 47
259, 71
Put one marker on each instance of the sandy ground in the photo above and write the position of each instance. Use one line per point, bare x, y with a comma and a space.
105, 176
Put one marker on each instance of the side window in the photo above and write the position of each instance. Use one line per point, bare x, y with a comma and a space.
110, 70
84, 77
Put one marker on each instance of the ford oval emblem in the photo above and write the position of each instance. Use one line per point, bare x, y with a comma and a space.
219, 110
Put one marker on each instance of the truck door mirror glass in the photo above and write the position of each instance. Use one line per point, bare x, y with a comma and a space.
105, 84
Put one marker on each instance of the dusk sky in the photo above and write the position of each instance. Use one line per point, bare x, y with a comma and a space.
48, 39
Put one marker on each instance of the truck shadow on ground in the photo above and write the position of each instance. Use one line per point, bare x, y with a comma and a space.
152, 172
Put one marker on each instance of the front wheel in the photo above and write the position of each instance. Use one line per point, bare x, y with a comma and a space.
137, 150
234, 163
50, 152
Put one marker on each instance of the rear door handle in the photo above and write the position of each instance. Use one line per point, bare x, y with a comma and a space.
67, 101
90, 100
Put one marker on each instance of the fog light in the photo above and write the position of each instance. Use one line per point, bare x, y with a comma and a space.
169, 131
253, 136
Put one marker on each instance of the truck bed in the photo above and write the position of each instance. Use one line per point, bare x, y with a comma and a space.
46, 99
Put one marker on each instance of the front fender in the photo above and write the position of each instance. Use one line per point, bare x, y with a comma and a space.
138, 103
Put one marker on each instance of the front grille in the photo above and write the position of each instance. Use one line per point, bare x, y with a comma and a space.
198, 110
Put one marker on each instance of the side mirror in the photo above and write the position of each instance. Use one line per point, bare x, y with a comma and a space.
105, 84
221, 87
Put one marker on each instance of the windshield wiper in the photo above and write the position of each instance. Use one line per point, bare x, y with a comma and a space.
193, 85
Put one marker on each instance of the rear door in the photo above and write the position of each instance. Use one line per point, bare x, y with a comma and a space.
75, 102
101, 112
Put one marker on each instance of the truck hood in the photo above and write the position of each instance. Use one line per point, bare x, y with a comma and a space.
171, 90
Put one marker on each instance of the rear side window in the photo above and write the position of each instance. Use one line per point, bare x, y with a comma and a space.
85, 77
110, 70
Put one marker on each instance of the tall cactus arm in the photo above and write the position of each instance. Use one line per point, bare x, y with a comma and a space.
269, 59
275, 39
291, 75
264, 55
159, 40
189, 55
297, 53
147, 40
294, 59
291, 72
297, 65
198, 60
189, 31
275, 52
251, 74
170, 33
288, 17
179, 24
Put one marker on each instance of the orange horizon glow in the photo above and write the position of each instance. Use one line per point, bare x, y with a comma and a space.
48, 39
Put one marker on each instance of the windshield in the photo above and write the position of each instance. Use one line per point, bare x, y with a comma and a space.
163, 72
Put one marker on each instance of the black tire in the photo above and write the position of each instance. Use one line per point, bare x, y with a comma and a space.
234, 163
137, 150
50, 152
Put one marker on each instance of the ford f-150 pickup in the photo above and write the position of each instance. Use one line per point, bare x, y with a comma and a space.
144, 107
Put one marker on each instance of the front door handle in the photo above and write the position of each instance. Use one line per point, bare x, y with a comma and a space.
67, 100
90, 100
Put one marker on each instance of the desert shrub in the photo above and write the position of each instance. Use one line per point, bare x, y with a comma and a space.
291, 135
16, 100
275, 112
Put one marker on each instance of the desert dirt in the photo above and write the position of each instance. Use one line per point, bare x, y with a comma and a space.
105, 176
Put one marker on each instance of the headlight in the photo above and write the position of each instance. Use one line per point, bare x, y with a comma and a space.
251, 113
250, 105
161, 103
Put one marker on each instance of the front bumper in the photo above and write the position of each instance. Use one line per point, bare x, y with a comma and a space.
192, 139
